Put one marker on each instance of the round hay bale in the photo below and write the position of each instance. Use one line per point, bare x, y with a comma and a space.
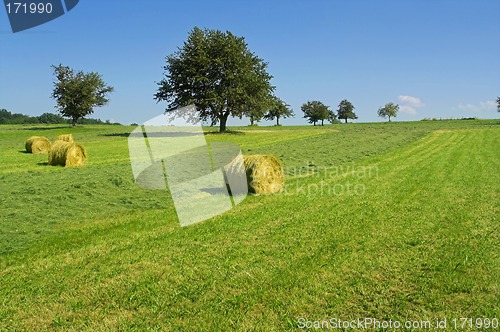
264, 174
65, 137
37, 145
67, 154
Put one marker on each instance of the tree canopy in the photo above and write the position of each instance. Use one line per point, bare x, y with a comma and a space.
216, 72
315, 111
388, 110
78, 93
345, 110
498, 104
279, 110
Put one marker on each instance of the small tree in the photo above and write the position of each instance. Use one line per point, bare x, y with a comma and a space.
257, 105
389, 110
279, 109
332, 117
315, 111
215, 71
346, 110
498, 104
78, 93
255, 113
254, 117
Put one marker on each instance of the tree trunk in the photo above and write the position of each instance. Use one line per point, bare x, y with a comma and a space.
74, 122
277, 120
322, 122
314, 123
345, 120
223, 121
251, 120
389, 118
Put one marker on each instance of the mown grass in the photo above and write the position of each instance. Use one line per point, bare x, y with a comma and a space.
86, 249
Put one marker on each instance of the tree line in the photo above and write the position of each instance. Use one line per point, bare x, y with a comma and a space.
216, 72
7, 117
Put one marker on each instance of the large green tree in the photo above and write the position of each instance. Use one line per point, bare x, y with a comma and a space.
77, 93
216, 72
279, 110
315, 111
388, 110
345, 110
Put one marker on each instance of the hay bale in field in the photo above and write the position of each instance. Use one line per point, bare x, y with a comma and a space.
264, 173
37, 145
65, 137
67, 154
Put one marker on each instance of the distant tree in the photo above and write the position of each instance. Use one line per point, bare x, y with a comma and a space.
498, 104
216, 72
332, 117
255, 113
51, 118
315, 111
7, 117
254, 118
4, 116
78, 93
389, 110
279, 110
346, 110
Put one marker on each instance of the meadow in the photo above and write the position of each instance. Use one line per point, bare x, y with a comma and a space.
414, 239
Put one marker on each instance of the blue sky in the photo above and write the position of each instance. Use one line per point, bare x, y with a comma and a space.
437, 58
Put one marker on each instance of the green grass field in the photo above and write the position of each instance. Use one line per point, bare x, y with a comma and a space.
412, 234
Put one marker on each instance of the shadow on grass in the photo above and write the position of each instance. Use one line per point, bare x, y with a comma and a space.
48, 128
151, 134
116, 135
215, 191
24, 151
43, 163
227, 132
172, 134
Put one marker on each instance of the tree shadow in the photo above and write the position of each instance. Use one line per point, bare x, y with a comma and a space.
172, 133
118, 135
47, 128
227, 132
24, 151
43, 163
153, 134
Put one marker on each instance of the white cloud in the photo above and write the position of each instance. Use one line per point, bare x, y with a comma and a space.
482, 106
410, 104
412, 101
408, 109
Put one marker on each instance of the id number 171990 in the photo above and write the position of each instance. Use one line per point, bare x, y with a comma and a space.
28, 8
